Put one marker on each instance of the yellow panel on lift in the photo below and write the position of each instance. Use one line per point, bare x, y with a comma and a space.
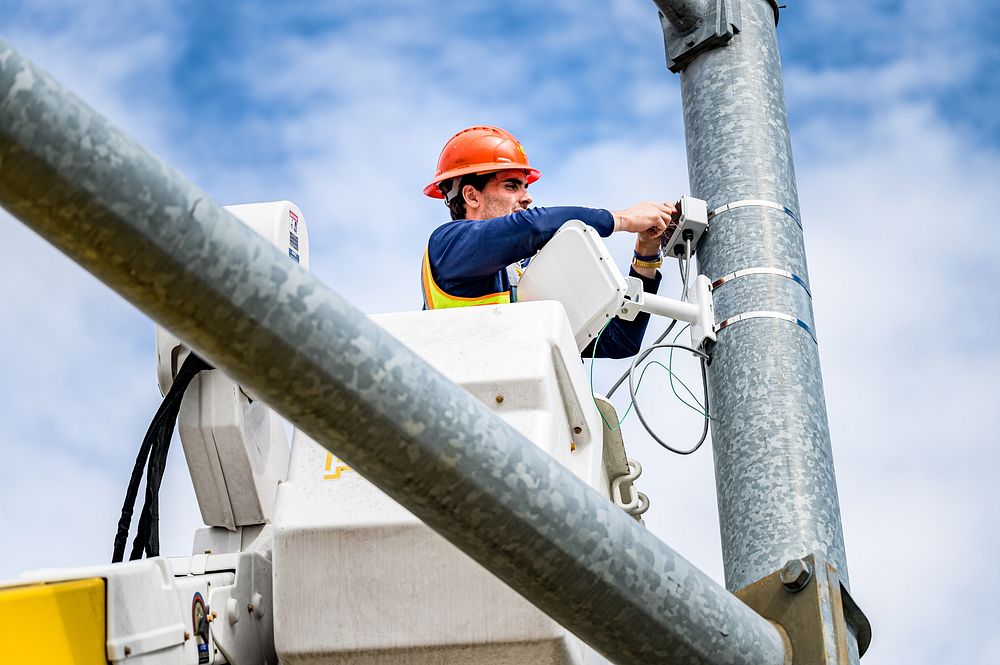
58, 624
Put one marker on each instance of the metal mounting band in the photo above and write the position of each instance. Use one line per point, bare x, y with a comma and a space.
758, 203
766, 315
762, 271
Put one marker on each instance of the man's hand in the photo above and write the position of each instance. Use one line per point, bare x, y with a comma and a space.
647, 218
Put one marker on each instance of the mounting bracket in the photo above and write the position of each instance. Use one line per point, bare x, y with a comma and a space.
720, 23
814, 610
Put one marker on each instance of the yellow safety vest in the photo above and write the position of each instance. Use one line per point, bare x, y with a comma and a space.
436, 298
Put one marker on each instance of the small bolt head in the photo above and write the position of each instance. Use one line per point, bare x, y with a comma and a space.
499, 399
577, 430
795, 574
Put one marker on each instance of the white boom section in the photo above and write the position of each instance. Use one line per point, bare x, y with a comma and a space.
575, 268
235, 446
236, 450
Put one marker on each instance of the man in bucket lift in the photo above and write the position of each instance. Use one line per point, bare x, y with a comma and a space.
483, 176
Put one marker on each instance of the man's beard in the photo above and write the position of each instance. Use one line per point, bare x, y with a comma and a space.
494, 209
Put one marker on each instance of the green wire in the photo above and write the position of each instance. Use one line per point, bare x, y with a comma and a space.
700, 409
593, 354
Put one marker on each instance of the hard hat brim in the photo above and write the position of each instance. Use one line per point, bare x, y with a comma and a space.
434, 191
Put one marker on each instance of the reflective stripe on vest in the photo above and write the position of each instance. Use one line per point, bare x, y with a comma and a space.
436, 298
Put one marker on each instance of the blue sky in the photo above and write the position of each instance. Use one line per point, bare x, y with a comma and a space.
343, 110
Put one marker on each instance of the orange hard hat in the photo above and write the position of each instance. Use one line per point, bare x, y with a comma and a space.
479, 149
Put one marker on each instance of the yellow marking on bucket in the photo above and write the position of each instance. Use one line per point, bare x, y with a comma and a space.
336, 471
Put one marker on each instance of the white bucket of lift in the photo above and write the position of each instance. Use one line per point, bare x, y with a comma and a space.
358, 579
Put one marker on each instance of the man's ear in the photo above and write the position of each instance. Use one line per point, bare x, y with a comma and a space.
471, 196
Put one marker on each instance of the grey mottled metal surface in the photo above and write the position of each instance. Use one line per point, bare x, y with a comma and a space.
165, 246
683, 14
774, 465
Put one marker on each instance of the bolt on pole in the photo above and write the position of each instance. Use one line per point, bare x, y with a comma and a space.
777, 492
170, 250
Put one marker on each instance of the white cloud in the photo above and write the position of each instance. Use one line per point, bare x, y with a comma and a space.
873, 84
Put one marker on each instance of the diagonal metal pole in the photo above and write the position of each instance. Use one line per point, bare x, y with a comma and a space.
775, 479
165, 246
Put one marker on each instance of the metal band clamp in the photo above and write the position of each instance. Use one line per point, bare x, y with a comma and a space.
758, 203
766, 315
762, 271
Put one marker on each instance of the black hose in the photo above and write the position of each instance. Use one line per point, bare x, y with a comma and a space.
155, 445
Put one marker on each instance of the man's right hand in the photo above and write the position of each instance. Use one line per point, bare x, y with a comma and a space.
649, 217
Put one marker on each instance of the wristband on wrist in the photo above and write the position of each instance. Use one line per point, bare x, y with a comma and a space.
639, 263
651, 257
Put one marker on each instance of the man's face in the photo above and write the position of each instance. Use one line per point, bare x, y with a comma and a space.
505, 193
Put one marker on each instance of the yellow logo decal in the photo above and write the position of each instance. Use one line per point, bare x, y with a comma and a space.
333, 470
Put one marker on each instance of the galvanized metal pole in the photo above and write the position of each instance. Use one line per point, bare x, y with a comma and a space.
775, 480
169, 249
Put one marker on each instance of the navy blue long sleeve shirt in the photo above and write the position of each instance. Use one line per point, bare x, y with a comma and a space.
469, 258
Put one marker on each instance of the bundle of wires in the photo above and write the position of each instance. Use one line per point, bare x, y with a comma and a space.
153, 456
633, 385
